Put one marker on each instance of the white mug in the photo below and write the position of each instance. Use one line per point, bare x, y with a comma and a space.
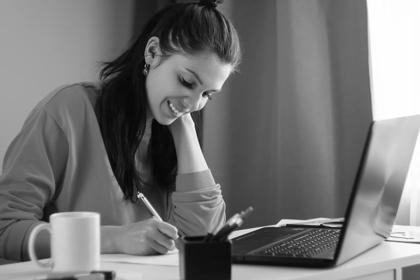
75, 242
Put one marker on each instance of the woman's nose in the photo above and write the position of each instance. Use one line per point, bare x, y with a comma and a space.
193, 102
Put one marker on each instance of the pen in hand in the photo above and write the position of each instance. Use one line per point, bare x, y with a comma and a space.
152, 210
233, 223
149, 206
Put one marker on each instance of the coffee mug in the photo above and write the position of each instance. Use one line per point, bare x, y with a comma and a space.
75, 242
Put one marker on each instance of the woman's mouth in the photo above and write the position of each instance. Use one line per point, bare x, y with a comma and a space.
173, 109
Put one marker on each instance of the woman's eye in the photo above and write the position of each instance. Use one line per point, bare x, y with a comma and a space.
186, 83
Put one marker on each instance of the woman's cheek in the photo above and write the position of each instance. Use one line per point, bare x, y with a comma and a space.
201, 105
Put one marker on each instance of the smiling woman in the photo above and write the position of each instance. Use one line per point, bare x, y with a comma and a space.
94, 147
181, 84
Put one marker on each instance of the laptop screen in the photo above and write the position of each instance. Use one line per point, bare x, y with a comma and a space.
379, 185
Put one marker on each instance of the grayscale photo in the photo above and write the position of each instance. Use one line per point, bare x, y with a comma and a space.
209, 139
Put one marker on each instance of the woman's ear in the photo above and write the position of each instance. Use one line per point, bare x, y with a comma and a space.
152, 52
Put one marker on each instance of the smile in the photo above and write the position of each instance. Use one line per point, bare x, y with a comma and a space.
173, 109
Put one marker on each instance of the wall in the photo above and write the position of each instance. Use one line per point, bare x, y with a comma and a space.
47, 43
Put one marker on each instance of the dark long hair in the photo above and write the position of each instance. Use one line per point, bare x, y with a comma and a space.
122, 104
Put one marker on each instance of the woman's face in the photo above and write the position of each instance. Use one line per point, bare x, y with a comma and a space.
182, 83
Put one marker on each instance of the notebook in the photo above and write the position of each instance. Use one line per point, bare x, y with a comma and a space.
370, 212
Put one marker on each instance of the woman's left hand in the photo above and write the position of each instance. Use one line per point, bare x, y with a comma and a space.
181, 126
188, 151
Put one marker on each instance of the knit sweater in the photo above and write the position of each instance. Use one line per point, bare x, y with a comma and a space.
58, 162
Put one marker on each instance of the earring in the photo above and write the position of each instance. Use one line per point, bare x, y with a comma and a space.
146, 69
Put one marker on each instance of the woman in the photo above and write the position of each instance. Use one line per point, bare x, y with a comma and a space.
89, 147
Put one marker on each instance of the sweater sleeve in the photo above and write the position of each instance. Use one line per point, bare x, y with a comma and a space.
199, 210
31, 169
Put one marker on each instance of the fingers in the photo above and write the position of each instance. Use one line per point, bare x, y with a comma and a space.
159, 248
168, 230
161, 236
148, 237
161, 244
165, 236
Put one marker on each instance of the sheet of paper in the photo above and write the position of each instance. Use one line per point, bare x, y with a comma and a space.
407, 234
170, 259
331, 222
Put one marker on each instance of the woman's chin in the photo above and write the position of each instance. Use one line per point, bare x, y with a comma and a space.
165, 121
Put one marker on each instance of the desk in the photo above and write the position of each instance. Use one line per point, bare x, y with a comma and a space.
384, 262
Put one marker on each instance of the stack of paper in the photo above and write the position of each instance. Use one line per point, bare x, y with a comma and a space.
409, 234
171, 259
329, 222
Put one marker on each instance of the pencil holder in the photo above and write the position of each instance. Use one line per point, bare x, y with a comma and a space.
202, 259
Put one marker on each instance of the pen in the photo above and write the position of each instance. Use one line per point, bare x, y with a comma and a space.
233, 223
149, 206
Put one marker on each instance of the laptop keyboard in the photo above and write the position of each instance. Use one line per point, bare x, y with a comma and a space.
309, 244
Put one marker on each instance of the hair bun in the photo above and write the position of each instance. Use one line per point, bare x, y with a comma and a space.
210, 3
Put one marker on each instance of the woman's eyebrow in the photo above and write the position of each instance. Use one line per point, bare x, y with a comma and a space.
199, 80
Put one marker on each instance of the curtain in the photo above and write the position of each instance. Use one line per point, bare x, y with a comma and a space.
287, 134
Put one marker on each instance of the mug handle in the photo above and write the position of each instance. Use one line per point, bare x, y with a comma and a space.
31, 245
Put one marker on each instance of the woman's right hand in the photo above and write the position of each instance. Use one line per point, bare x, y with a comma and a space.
146, 237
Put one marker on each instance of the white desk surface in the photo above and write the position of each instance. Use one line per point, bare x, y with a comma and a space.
386, 256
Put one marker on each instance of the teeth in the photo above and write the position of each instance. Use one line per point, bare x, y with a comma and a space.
174, 110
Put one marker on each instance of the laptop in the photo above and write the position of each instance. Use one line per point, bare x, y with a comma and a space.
369, 216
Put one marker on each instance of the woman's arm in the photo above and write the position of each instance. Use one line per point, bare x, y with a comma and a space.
33, 166
197, 204
188, 151
33, 162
